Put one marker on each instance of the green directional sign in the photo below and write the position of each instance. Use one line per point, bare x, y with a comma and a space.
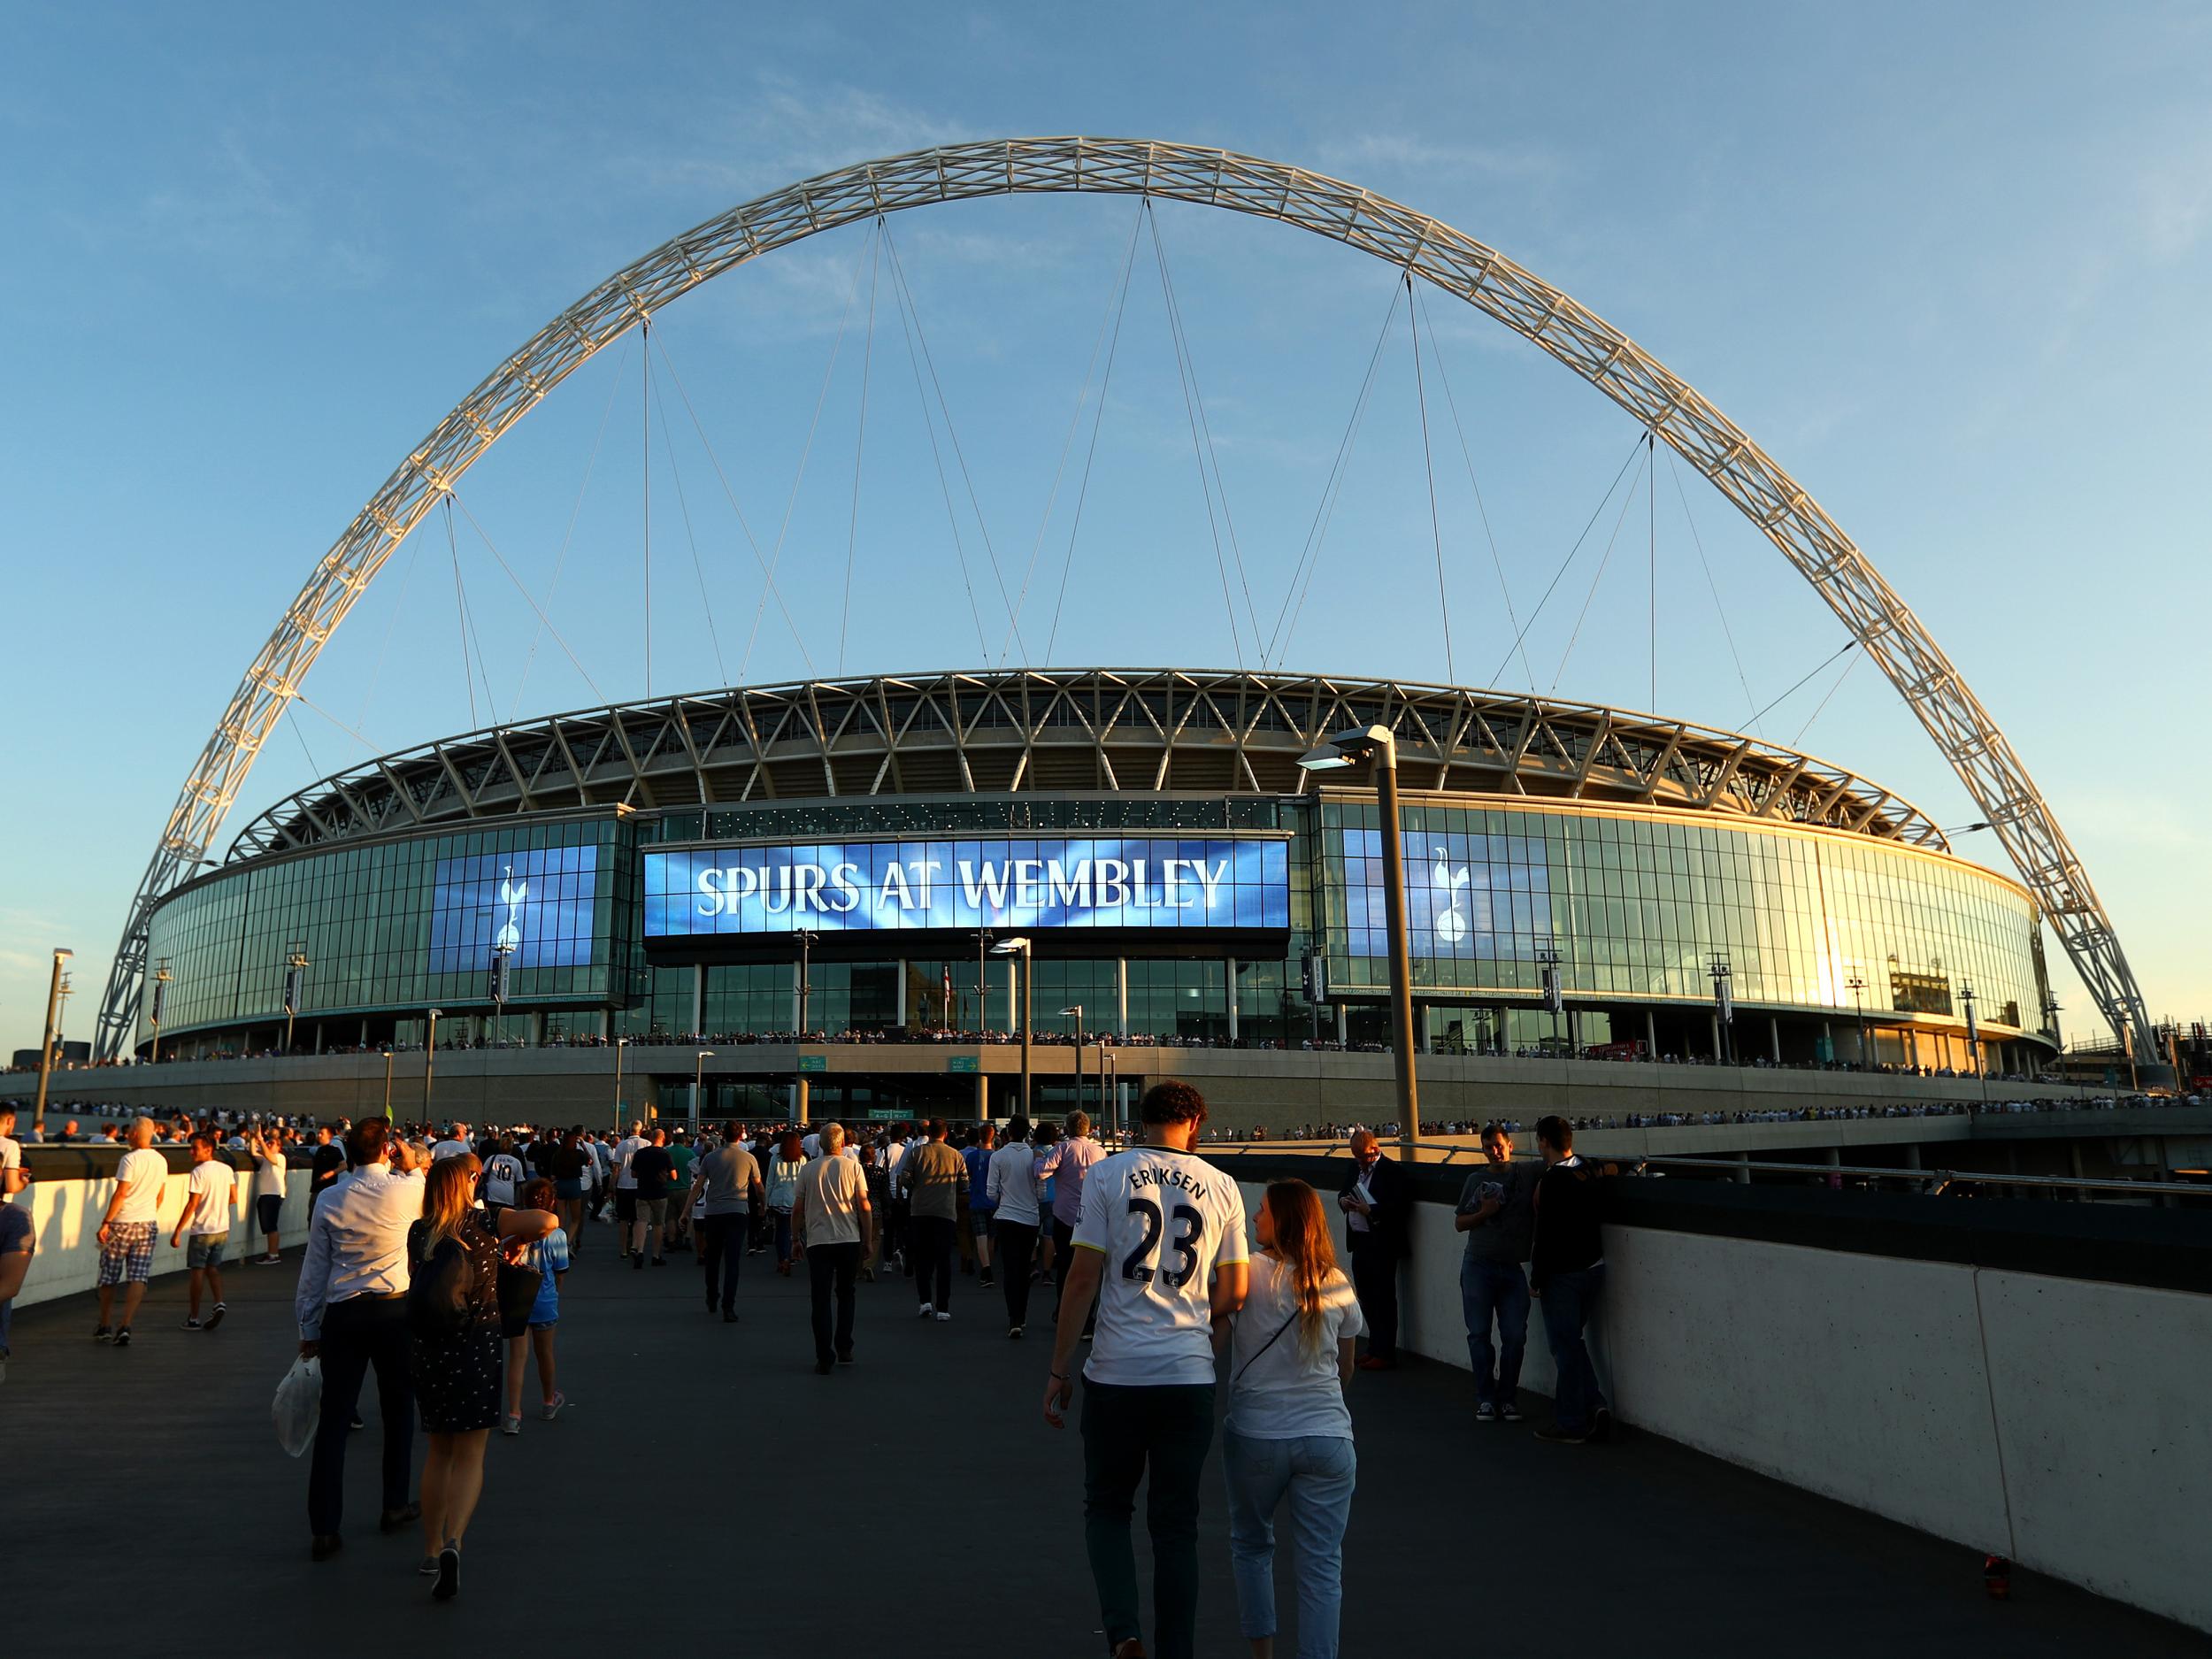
964, 1063
885, 1114
814, 1063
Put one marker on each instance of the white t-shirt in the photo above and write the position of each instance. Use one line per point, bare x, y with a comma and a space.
1277, 1390
448, 1149
1163, 1220
1011, 1182
500, 1176
268, 1174
833, 1190
811, 1145
212, 1183
145, 1170
624, 1180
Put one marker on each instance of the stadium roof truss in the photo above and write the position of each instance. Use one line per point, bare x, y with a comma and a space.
1035, 731
1426, 248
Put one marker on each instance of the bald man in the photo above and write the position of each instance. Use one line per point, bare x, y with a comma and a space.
127, 1231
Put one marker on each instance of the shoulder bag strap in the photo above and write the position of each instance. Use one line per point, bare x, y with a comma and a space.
1263, 1348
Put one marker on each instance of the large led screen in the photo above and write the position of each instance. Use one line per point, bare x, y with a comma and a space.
1468, 897
1007, 885
535, 901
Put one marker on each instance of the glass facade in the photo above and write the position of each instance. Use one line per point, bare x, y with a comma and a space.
1639, 905
1636, 903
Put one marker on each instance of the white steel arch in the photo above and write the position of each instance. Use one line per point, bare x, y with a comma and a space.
1454, 263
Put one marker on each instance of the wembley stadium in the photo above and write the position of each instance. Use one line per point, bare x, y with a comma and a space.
667, 871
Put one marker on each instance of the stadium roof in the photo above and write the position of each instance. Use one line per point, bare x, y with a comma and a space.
1068, 732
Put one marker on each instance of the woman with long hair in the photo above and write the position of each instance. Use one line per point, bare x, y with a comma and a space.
455, 1347
1288, 1435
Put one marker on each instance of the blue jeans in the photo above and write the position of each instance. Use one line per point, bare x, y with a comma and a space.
1570, 1301
1316, 1473
1488, 1291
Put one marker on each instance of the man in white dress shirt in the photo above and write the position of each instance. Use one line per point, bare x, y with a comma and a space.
351, 1305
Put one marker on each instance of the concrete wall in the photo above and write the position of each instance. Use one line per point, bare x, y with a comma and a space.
65, 1216
1938, 1395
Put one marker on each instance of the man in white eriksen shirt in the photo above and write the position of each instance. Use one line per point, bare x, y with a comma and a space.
1161, 1248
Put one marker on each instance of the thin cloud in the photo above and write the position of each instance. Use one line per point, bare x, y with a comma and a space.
1400, 152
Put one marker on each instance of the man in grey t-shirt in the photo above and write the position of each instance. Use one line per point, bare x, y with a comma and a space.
1497, 1212
726, 1185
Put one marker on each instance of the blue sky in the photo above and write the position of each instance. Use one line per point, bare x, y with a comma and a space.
1947, 265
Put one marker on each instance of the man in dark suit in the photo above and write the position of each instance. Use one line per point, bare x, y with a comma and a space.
1378, 1204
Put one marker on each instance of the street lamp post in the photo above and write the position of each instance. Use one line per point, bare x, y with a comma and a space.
1376, 743
1974, 1037
1018, 946
429, 1063
620, 1043
46, 1048
162, 977
698, 1081
1724, 1006
1858, 1000
982, 997
800, 1092
1077, 1009
387, 1085
1555, 997
295, 980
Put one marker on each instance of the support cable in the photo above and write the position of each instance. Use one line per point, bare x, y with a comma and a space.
314, 768
613, 386
1194, 398
1712, 587
545, 622
1428, 466
1106, 318
1799, 741
1497, 564
1571, 551
904, 301
1090, 455
1628, 500
1847, 646
952, 433
460, 612
301, 697
860, 442
645, 405
1324, 510
391, 627
683, 510
767, 569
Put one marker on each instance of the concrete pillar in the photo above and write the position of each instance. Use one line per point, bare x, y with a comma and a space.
2073, 1157
1229, 968
1342, 1038
799, 1102
1743, 1168
899, 1012
364, 1031
982, 1096
1121, 996
1715, 1019
1651, 1035
699, 998
1912, 1047
1912, 1156
1774, 1039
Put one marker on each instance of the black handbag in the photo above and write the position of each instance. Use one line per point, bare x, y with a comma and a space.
518, 1287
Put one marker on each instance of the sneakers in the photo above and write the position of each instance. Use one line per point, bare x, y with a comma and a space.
943, 1318
357, 1423
821, 1367
194, 1324
1510, 1412
845, 1359
1557, 1436
986, 1282
510, 1422
271, 1261
927, 1309
660, 1261
729, 1316
102, 1333
637, 1258
1602, 1424
1485, 1412
122, 1336
551, 1408
429, 1568
1014, 1333
216, 1317
449, 1584
323, 1546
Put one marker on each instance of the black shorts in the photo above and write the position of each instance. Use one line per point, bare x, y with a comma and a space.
626, 1203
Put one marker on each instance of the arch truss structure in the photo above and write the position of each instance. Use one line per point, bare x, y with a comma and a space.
1424, 247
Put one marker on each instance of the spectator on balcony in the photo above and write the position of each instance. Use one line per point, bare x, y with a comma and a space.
1378, 1204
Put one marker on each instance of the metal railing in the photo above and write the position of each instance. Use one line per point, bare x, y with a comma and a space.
1935, 1180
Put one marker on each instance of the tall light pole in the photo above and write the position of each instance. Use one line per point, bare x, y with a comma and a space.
387, 1085
802, 1093
46, 1050
620, 1043
1077, 1009
1974, 1037
1858, 999
162, 977
1375, 743
1724, 1005
698, 1081
1018, 946
982, 997
1555, 997
295, 982
429, 1063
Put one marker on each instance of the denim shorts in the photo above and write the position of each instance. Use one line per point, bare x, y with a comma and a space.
204, 1249
568, 1190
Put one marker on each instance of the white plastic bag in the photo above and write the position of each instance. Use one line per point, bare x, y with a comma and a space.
299, 1403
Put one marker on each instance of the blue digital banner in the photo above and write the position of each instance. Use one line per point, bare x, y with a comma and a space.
534, 901
1007, 885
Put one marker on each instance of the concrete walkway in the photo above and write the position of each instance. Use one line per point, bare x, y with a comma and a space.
707, 1492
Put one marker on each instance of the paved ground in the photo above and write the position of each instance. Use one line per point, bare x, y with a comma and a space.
708, 1492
